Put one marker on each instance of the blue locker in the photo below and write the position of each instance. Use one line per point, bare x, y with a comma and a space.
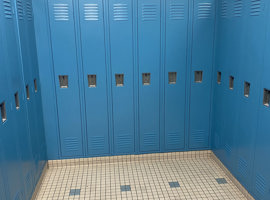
149, 67
94, 64
202, 56
175, 65
66, 76
121, 51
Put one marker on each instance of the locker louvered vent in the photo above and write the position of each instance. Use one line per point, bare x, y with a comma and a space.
96, 143
242, 167
91, 12
231, 82
177, 12
219, 77
255, 7
27, 92
92, 80
61, 12
246, 89
146, 78
20, 9
63, 81
29, 11
119, 79
3, 111
238, 7
120, 12
198, 76
204, 10
149, 12
266, 97
172, 77
260, 185
71, 144
7, 9
224, 9
17, 100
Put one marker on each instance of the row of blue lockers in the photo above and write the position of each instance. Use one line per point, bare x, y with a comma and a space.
128, 76
22, 140
241, 115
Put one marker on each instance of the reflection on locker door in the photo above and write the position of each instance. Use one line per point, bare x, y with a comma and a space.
95, 80
66, 76
202, 53
149, 68
121, 40
175, 73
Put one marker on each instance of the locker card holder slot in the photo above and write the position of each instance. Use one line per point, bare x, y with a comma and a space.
219, 77
198, 76
92, 80
119, 79
63, 80
27, 92
231, 82
146, 78
35, 84
246, 89
172, 77
266, 97
17, 100
3, 112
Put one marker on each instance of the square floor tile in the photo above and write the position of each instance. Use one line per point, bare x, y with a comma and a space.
74, 192
125, 188
174, 184
221, 180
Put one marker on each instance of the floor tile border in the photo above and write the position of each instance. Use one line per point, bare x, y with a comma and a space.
129, 158
231, 177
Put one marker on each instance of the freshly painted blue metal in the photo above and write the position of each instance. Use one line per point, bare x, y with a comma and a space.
121, 52
200, 92
149, 62
175, 61
65, 64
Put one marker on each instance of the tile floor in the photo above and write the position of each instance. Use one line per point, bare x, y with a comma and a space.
198, 178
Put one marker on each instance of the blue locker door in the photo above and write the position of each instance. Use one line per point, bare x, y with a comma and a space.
202, 56
65, 68
149, 65
93, 56
175, 62
121, 38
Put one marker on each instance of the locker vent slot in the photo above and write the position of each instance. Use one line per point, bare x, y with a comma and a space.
219, 77
3, 112
92, 80
238, 6
224, 9
246, 89
172, 77
231, 83
204, 10
255, 8
119, 79
17, 100
35, 84
149, 12
29, 11
266, 97
61, 12
91, 12
20, 9
198, 76
27, 92
63, 80
177, 12
7, 9
146, 77
120, 12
